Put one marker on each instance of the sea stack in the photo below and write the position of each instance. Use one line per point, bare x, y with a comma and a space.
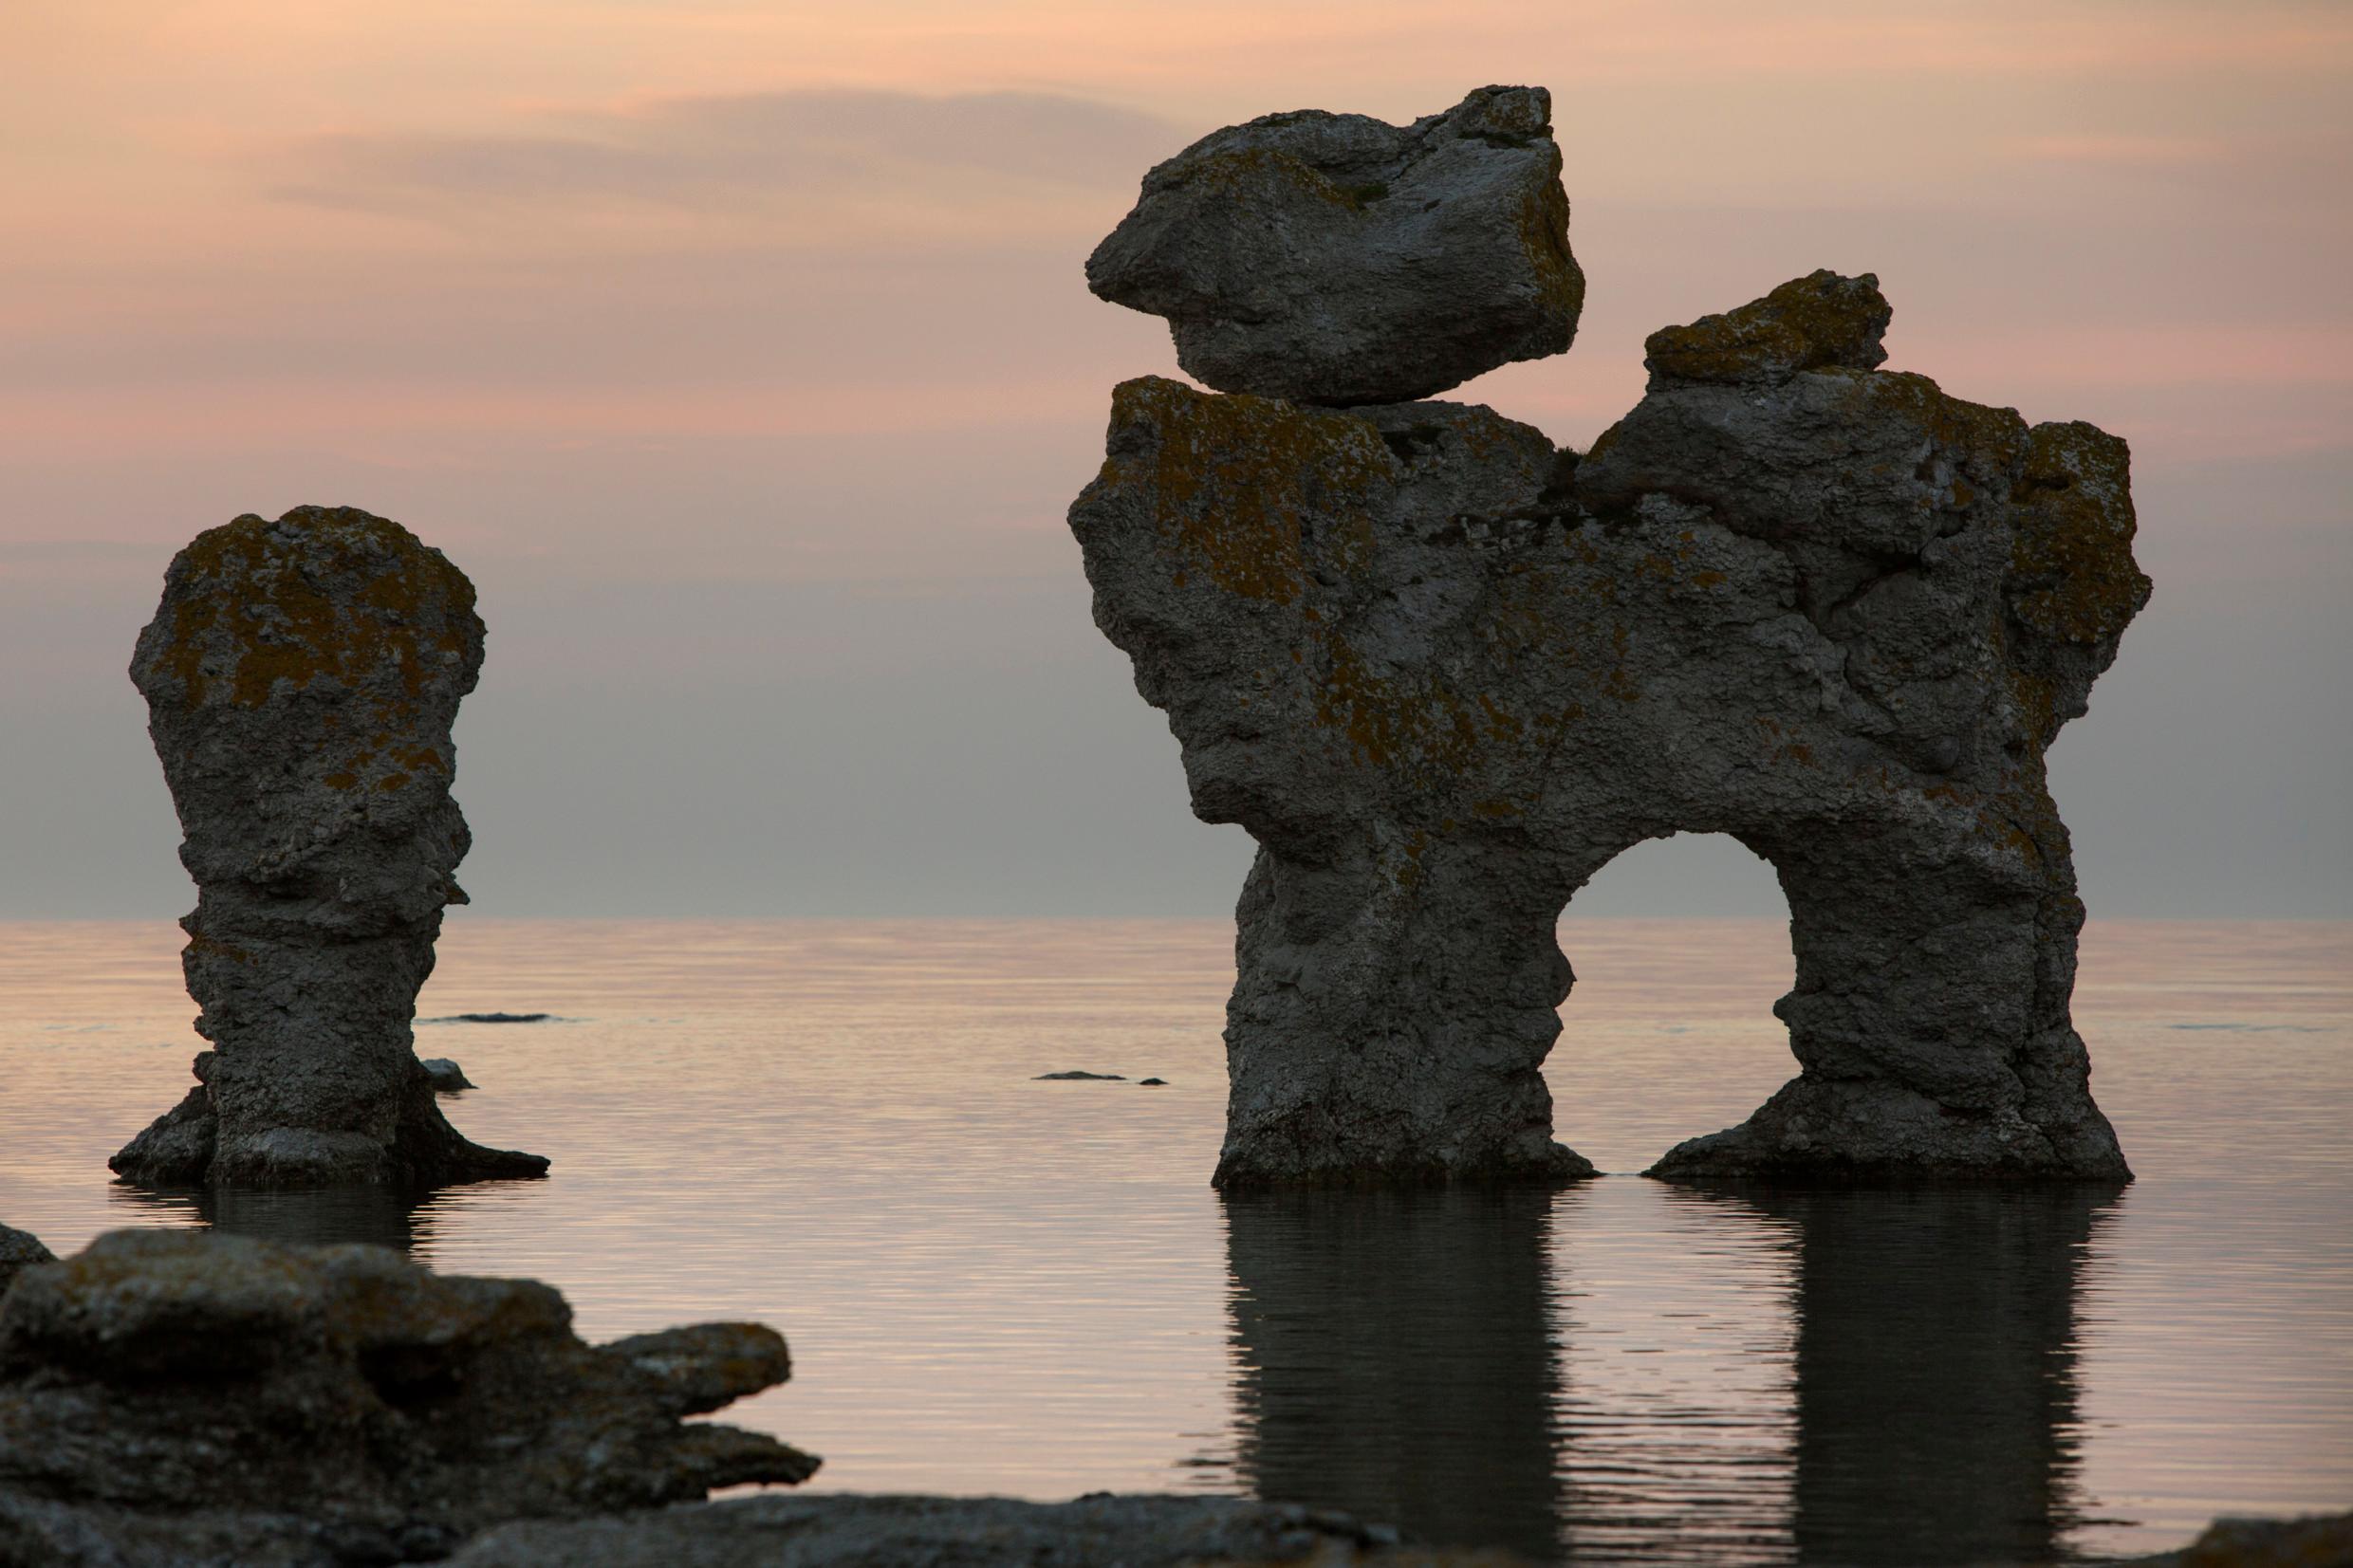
1444, 672
302, 678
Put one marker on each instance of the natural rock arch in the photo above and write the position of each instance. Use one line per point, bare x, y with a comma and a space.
1444, 672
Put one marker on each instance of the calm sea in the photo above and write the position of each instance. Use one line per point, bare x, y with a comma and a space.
995, 1285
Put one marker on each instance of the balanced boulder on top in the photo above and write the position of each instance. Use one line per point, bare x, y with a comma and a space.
1338, 259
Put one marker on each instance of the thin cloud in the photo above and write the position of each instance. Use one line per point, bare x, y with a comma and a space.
2138, 151
772, 152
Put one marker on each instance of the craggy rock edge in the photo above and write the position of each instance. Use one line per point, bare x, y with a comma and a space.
188, 1397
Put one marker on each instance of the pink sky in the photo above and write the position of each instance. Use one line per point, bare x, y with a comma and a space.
624, 292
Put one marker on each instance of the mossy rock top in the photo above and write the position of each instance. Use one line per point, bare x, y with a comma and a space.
256, 610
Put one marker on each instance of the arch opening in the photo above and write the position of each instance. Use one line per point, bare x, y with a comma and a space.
1680, 946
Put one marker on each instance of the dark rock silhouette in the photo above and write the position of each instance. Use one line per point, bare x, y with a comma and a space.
1444, 672
169, 1396
19, 1250
1336, 259
301, 679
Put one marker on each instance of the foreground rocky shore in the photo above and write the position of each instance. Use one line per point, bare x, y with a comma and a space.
189, 1400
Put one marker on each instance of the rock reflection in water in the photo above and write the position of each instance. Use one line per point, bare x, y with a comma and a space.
1397, 1358
1936, 1385
1401, 1355
319, 1216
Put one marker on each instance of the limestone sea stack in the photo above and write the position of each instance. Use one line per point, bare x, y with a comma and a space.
1444, 672
174, 1397
1338, 259
302, 678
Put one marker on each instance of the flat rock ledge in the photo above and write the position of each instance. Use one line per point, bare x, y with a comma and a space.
180, 1397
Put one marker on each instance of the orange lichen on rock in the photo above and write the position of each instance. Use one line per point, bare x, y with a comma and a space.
247, 616
1234, 475
1819, 320
2072, 577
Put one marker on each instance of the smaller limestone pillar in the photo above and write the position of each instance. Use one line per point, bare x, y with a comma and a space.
300, 679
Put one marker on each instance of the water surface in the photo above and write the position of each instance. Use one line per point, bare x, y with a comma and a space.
995, 1284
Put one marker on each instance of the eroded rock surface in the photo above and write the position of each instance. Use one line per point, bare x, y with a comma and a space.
1444, 672
176, 1397
1338, 259
300, 679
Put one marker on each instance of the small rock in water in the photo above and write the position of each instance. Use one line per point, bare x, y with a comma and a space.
1104, 1078
490, 1018
447, 1077
1151, 1083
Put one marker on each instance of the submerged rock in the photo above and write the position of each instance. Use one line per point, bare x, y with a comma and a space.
1075, 1075
19, 1250
1336, 259
490, 1018
173, 1396
1444, 672
301, 679
942, 1532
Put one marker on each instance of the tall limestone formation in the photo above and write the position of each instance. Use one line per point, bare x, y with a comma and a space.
1444, 672
300, 679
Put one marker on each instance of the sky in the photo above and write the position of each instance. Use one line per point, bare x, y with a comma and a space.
740, 353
